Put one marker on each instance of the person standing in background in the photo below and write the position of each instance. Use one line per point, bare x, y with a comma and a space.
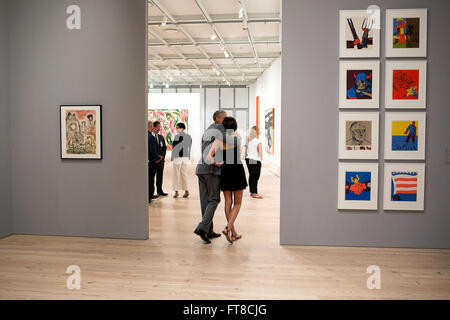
254, 160
153, 159
161, 146
181, 154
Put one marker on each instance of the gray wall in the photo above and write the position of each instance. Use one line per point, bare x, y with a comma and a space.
310, 128
103, 63
5, 150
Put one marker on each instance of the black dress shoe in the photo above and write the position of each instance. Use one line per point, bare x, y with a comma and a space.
214, 235
202, 234
154, 197
162, 194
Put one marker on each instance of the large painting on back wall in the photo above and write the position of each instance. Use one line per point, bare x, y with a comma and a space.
169, 118
81, 132
269, 126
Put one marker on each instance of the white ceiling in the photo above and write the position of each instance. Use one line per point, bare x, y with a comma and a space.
182, 52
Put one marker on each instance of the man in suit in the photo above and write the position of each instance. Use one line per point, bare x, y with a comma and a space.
161, 146
153, 159
209, 178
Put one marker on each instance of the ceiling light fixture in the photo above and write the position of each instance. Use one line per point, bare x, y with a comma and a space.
241, 13
213, 36
225, 52
167, 86
151, 86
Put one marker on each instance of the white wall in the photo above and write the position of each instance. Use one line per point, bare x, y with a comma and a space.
268, 88
189, 101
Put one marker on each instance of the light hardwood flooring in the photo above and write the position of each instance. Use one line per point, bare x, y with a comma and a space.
175, 264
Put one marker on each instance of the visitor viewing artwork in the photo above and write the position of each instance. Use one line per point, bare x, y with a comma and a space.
169, 119
81, 132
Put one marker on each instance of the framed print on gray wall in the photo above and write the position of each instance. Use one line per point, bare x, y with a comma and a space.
406, 84
359, 36
406, 32
81, 131
405, 135
358, 135
357, 186
404, 186
359, 84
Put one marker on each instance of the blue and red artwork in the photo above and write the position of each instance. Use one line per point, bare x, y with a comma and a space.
405, 135
357, 185
404, 186
359, 84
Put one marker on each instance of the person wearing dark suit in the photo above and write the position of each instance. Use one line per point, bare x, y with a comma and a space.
162, 148
153, 160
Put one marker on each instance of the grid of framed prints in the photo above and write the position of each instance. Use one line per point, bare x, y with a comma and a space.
405, 123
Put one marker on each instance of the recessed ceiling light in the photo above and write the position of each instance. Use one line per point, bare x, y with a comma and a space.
164, 22
213, 36
167, 86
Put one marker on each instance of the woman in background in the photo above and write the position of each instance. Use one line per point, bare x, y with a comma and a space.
232, 176
254, 160
181, 155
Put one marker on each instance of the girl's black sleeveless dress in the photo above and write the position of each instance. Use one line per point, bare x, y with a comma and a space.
232, 176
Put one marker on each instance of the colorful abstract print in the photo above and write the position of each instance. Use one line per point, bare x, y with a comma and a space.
405, 135
404, 186
357, 185
359, 84
169, 118
81, 132
405, 85
406, 33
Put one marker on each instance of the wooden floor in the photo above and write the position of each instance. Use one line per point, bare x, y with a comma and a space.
175, 264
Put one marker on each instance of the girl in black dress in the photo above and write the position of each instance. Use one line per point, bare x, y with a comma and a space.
232, 178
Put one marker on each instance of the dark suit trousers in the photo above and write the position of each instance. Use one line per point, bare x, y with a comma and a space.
151, 179
159, 176
209, 187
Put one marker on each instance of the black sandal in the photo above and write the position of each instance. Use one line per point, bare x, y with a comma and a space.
228, 235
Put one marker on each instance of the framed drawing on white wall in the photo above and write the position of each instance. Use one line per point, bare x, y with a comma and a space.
406, 33
359, 36
357, 186
269, 128
406, 84
358, 135
404, 186
81, 131
405, 135
359, 84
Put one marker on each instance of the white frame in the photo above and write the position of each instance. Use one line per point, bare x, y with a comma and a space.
404, 155
406, 13
373, 103
358, 116
374, 52
99, 151
420, 103
418, 205
356, 204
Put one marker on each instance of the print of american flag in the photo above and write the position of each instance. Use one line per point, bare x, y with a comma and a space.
405, 183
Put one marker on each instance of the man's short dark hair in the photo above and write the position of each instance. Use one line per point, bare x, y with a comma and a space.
156, 123
217, 114
181, 125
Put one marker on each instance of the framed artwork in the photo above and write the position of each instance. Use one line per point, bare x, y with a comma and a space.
406, 84
405, 135
406, 32
358, 135
357, 186
81, 131
269, 124
169, 118
359, 84
358, 37
257, 111
404, 186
